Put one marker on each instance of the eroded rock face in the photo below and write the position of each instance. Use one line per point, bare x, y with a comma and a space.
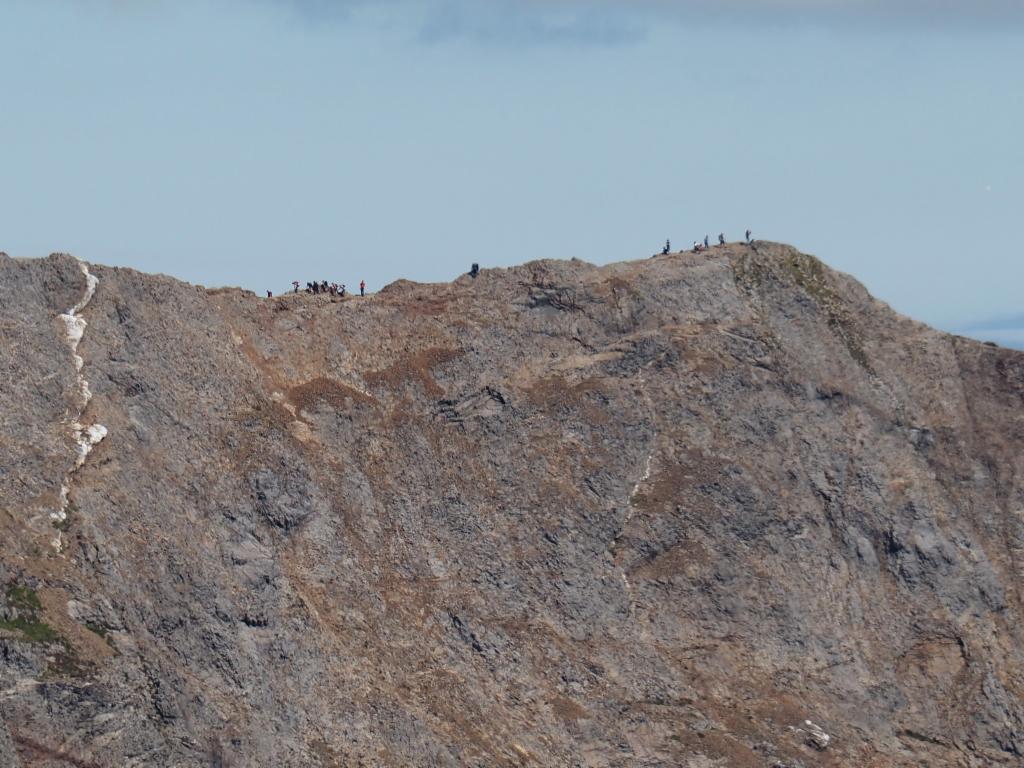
665, 513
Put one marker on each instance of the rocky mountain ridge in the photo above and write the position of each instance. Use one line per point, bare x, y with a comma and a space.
715, 509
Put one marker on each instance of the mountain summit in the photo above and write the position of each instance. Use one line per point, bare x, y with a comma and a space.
701, 510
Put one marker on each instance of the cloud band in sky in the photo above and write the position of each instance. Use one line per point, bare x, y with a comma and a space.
612, 22
926, 12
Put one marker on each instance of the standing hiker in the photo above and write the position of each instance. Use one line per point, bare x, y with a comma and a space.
748, 237
721, 238
362, 287
706, 242
667, 248
295, 285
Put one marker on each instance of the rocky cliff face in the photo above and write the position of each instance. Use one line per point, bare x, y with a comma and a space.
718, 509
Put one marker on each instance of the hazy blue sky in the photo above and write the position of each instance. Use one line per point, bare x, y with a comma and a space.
258, 142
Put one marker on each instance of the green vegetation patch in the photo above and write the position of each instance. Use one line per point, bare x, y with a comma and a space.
23, 598
32, 631
27, 624
30, 628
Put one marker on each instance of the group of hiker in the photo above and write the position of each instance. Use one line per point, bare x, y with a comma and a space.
699, 246
322, 286
338, 289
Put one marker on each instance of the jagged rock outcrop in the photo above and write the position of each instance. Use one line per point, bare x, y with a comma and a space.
717, 509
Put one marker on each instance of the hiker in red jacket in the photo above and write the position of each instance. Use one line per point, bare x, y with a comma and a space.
362, 287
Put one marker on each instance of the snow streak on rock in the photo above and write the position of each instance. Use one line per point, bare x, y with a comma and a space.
85, 436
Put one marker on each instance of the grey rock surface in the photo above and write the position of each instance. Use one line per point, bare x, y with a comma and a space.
658, 513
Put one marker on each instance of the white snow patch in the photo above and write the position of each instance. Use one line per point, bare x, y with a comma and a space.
86, 437
91, 281
75, 328
816, 736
